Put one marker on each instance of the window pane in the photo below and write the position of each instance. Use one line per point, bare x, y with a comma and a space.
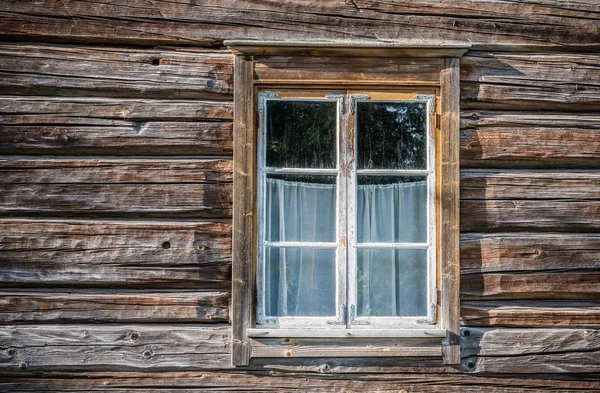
301, 134
300, 208
391, 209
391, 282
300, 282
391, 135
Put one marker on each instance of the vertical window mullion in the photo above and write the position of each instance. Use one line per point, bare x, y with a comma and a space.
342, 219
349, 173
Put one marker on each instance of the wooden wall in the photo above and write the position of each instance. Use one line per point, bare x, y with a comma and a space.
116, 194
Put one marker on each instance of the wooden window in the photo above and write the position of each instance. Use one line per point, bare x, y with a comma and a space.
345, 201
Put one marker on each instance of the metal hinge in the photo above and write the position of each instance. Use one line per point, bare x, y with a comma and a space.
353, 315
354, 98
262, 97
342, 98
430, 100
341, 319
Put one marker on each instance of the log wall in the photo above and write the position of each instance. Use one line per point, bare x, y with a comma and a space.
116, 194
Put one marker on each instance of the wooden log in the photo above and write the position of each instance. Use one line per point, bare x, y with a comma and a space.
131, 138
114, 347
202, 381
119, 254
103, 111
556, 285
527, 252
540, 81
529, 140
541, 313
542, 23
116, 187
530, 184
61, 70
524, 215
107, 306
530, 350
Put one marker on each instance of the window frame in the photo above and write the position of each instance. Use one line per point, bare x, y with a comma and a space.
248, 79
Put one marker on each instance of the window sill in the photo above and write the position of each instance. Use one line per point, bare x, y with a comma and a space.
346, 333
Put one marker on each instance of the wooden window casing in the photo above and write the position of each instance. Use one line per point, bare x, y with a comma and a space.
296, 66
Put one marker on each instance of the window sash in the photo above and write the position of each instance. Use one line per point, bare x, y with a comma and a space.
346, 244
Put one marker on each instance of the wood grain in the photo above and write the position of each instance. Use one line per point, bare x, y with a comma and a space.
533, 313
107, 306
119, 254
539, 23
65, 70
114, 347
541, 350
46, 110
123, 138
529, 252
540, 81
210, 381
116, 187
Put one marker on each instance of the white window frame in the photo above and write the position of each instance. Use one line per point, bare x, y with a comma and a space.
346, 245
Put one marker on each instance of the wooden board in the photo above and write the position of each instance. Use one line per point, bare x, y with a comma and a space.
108, 306
116, 187
529, 215
539, 81
530, 184
124, 138
530, 140
529, 252
517, 351
210, 381
119, 254
555, 285
346, 70
543, 23
114, 347
39, 110
534, 313
62, 70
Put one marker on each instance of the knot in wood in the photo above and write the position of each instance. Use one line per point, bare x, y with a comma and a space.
23, 365
147, 354
133, 336
11, 352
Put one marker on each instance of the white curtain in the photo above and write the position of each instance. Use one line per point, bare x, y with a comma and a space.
302, 281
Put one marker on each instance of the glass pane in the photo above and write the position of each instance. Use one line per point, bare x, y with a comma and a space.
301, 134
300, 208
300, 282
391, 209
391, 135
391, 282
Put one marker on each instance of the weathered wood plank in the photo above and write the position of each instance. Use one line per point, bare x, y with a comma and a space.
171, 382
527, 252
541, 81
544, 23
118, 254
27, 69
346, 70
107, 306
116, 187
129, 138
40, 110
530, 184
530, 147
541, 313
114, 347
530, 139
345, 348
530, 350
523, 215
556, 285
471, 119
